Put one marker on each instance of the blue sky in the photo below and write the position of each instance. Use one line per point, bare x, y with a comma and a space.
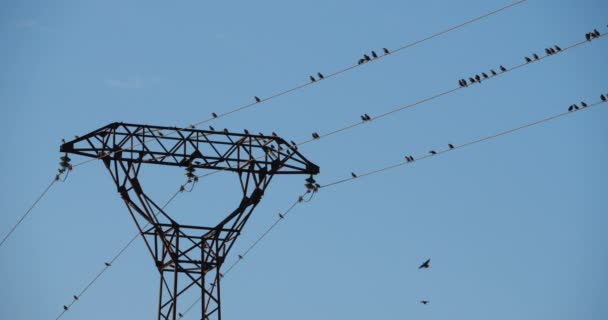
515, 227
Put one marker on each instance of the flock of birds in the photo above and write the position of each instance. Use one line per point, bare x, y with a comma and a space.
574, 107
374, 55
478, 78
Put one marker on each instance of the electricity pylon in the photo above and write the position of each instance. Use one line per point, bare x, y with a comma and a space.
187, 256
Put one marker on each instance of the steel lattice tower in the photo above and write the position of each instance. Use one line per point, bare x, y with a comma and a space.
187, 256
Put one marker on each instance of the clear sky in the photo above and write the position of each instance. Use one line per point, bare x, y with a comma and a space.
515, 227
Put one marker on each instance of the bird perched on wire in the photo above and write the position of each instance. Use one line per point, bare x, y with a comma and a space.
535, 56
471, 80
361, 61
385, 50
365, 117
65, 308
603, 97
493, 72
451, 146
211, 128
312, 79
320, 75
257, 99
367, 58
485, 76
281, 216
374, 54
225, 130
246, 131
432, 152
583, 104
213, 114
315, 135
588, 36
548, 51
353, 174
557, 48
75, 297
528, 60
409, 158
107, 264
425, 265
596, 33
503, 69
478, 78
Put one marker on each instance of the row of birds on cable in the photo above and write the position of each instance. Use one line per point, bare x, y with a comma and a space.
592, 35
574, 107
549, 51
478, 78
65, 307
374, 55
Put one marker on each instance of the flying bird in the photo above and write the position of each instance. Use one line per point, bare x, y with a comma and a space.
503, 69
312, 79
424, 302
320, 75
385, 50
257, 99
425, 265
374, 54
353, 174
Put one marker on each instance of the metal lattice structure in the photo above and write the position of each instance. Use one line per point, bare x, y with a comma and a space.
187, 256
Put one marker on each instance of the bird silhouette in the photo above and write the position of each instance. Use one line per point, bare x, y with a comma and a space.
528, 60
478, 78
367, 116
312, 79
361, 61
65, 307
214, 114
503, 69
320, 75
353, 174
75, 297
385, 50
425, 302
596, 33
451, 146
363, 118
432, 152
225, 130
471, 80
374, 54
558, 48
583, 104
425, 265
274, 134
588, 36
536, 56
460, 83
315, 135
246, 131
240, 256
281, 216
257, 99
493, 72
485, 76
603, 97
571, 108
180, 315
211, 128
548, 51
107, 264
575, 106
367, 58
293, 143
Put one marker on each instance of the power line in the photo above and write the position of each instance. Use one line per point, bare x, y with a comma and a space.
377, 171
109, 263
421, 101
29, 210
339, 72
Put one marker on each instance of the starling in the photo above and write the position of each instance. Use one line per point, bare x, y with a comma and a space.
374, 54
471, 80
596, 33
361, 61
257, 99
281, 216
493, 72
536, 56
312, 79
503, 69
107, 264
548, 51
211, 128
240, 257
353, 174
583, 104
367, 58
424, 302
214, 114
425, 265
588, 36
363, 118
315, 135
367, 116
575, 106
485, 76
75, 297
65, 307
528, 60
451, 146
385, 50
460, 83
432, 152
225, 130
558, 48
180, 315
320, 75
246, 131
478, 78
603, 97
571, 108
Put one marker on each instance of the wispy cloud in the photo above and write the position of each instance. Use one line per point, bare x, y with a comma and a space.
134, 82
